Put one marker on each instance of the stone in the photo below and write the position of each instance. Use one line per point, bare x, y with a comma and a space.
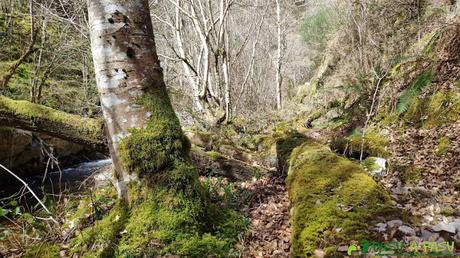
381, 225
319, 253
425, 234
455, 224
410, 239
379, 229
342, 248
406, 230
450, 228
376, 167
394, 223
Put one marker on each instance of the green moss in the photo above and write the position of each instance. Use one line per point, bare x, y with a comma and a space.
447, 211
329, 192
214, 155
101, 239
386, 117
80, 214
409, 174
43, 250
369, 164
156, 147
435, 110
375, 144
444, 146
174, 217
38, 114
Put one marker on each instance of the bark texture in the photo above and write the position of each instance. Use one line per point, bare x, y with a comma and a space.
164, 209
37, 118
127, 69
279, 78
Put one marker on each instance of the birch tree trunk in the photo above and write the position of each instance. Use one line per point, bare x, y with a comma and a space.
223, 46
185, 65
162, 203
132, 91
279, 78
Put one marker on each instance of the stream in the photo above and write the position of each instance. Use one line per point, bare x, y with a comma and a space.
67, 180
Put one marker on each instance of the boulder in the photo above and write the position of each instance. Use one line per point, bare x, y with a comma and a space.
350, 199
449, 228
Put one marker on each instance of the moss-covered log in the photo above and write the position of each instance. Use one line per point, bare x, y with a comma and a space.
333, 201
37, 118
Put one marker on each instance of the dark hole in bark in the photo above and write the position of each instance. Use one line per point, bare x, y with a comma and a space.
111, 21
131, 53
114, 37
125, 19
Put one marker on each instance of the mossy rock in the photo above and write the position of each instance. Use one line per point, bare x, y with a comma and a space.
328, 192
375, 144
434, 110
201, 139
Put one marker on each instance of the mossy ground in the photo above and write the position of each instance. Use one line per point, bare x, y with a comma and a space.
333, 200
409, 174
431, 111
162, 220
43, 250
444, 145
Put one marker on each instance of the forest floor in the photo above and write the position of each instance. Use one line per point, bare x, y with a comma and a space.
268, 209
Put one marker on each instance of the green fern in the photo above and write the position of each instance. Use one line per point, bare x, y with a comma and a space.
413, 91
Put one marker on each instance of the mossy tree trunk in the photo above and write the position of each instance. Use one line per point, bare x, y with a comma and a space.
129, 77
163, 208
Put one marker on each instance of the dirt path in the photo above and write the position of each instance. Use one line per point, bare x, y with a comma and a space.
269, 232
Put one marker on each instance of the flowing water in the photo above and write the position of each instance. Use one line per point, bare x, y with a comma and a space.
72, 178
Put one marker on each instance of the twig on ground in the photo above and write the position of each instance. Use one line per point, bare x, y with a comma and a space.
30, 190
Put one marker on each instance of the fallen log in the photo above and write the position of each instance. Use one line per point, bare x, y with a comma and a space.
334, 202
38, 118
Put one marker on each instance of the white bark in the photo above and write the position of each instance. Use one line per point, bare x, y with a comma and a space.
180, 46
279, 78
125, 64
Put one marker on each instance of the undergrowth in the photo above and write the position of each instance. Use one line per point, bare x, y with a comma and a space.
413, 91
